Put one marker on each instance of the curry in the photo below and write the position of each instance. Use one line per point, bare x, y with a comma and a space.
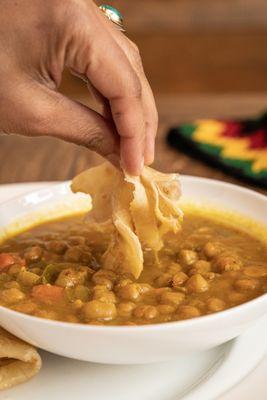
55, 271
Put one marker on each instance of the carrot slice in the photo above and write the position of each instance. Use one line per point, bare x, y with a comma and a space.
6, 260
47, 293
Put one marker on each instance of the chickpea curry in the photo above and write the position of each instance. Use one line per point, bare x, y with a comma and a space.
54, 271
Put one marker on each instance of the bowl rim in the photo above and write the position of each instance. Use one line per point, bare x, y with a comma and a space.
188, 178
181, 324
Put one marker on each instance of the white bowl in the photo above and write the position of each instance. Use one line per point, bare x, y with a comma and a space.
135, 344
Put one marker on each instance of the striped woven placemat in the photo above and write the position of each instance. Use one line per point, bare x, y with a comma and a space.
237, 146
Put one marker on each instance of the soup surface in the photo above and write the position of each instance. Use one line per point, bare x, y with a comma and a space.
54, 271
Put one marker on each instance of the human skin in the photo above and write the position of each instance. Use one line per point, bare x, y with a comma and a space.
38, 39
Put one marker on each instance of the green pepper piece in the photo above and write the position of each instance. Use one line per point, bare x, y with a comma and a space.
50, 273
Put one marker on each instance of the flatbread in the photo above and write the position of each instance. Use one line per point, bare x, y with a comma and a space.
164, 191
124, 252
18, 360
142, 211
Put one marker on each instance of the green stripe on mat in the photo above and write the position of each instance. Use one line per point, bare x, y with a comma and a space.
209, 149
187, 130
245, 165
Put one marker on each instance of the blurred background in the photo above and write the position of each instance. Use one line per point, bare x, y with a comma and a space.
203, 58
198, 46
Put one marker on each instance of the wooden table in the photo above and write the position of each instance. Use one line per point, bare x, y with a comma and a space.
45, 159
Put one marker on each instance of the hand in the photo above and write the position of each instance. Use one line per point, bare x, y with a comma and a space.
37, 40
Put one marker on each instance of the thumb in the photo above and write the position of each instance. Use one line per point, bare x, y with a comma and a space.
53, 114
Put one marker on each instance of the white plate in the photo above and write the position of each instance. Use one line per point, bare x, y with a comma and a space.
202, 376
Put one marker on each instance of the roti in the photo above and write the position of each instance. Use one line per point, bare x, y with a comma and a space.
142, 210
18, 360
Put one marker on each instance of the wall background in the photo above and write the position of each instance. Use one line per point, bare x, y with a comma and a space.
202, 46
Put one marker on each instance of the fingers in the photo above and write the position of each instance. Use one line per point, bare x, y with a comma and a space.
112, 75
53, 114
149, 107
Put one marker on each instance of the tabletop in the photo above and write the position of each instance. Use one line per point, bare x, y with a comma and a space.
44, 159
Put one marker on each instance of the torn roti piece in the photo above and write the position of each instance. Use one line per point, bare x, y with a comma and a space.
124, 252
18, 360
164, 192
141, 209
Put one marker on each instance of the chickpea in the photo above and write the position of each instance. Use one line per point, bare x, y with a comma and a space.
173, 268
72, 276
96, 309
197, 284
214, 304
86, 257
25, 308
180, 289
196, 303
47, 314
56, 246
122, 283
200, 267
27, 278
105, 296
77, 304
104, 277
34, 253
179, 279
246, 284
71, 318
101, 280
76, 240
73, 254
210, 276
186, 312
256, 271
12, 295
81, 292
159, 291
236, 297
172, 298
14, 269
212, 249
100, 288
145, 311
188, 257
165, 309
129, 292
230, 274
12, 284
125, 309
144, 288
227, 263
